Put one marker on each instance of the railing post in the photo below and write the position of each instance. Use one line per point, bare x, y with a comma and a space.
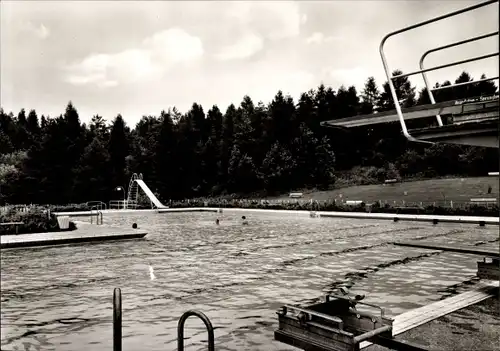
208, 325
117, 320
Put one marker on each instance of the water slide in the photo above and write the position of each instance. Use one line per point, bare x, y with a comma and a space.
150, 194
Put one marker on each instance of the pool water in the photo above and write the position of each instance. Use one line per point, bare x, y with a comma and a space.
60, 298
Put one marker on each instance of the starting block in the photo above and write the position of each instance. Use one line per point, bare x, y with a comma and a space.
337, 325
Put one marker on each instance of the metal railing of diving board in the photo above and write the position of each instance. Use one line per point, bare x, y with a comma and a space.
424, 75
422, 70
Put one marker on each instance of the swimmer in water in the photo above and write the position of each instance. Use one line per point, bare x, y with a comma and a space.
217, 221
244, 220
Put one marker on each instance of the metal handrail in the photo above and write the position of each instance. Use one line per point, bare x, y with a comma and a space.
391, 78
98, 212
97, 203
117, 320
92, 215
424, 76
117, 324
119, 203
456, 63
208, 324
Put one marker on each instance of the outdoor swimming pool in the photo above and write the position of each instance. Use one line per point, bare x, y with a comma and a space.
60, 298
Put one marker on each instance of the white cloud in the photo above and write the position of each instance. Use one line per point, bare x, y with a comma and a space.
155, 56
319, 38
273, 19
41, 31
93, 58
174, 46
245, 47
350, 76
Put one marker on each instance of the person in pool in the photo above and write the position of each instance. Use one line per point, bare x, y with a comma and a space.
244, 220
217, 221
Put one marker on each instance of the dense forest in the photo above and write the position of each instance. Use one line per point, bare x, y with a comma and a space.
252, 147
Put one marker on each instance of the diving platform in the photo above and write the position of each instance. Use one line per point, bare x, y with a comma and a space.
474, 108
472, 121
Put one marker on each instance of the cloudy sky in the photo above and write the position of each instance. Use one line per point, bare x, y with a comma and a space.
137, 58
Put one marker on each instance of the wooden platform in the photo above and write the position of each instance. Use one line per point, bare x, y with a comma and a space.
417, 317
463, 249
85, 232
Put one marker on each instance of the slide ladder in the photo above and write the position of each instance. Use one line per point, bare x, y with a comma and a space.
133, 191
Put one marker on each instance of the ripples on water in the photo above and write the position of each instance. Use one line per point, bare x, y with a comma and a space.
60, 298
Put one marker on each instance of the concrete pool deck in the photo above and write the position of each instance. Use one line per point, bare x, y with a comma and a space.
85, 232
357, 215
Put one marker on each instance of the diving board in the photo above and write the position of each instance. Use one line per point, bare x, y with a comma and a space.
475, 116
469, 124
446, 108
471, 121
425, 314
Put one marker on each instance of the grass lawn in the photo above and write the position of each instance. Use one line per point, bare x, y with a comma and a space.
433, 190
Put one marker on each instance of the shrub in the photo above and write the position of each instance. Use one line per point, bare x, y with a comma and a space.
36, 220
69, 208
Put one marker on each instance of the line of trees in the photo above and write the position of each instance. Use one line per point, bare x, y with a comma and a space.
248, 148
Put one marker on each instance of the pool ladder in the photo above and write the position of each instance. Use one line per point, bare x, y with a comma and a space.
117, 325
